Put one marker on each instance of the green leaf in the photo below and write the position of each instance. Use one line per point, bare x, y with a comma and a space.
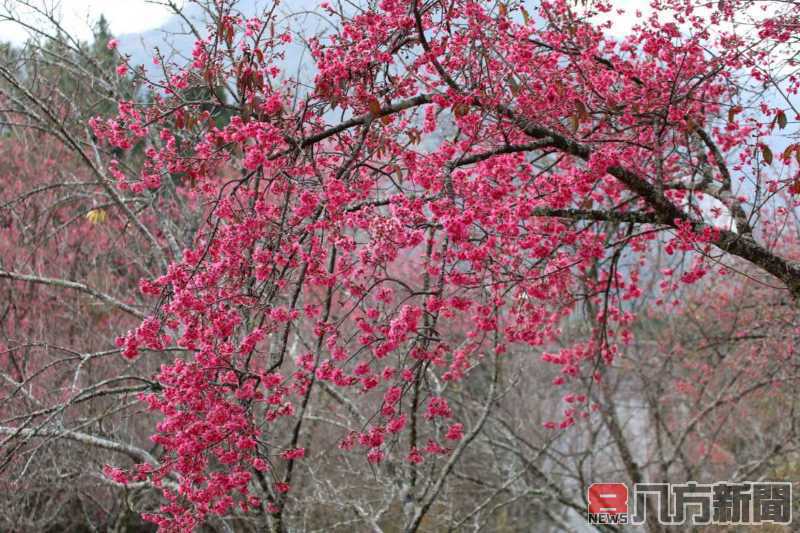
781, 119
766, 153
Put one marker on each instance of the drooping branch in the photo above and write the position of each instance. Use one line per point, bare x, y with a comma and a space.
666, 212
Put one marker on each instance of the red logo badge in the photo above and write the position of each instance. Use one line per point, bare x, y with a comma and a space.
610, 498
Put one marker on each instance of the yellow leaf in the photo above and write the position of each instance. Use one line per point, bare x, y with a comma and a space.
97, 216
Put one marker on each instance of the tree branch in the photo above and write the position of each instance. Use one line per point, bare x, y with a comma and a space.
80, 287
137, 454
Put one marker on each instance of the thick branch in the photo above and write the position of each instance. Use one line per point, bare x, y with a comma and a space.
724, 193
361, 120
80, 287
667, 212
633, 217
137, 454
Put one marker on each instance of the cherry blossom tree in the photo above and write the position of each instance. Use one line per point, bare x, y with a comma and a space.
364, 295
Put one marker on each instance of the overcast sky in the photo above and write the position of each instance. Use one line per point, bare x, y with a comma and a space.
124, 16
136, 16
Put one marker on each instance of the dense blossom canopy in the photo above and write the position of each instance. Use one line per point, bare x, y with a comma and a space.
454, 180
